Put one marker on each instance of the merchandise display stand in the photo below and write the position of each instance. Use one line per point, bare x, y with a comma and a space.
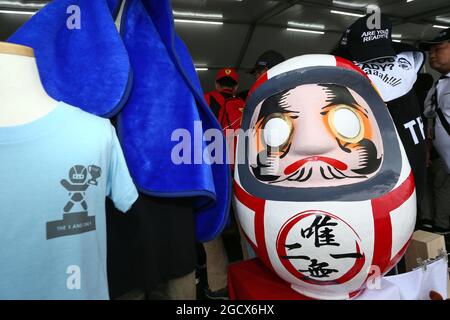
252, 280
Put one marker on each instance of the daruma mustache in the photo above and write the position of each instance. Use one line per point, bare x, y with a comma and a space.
298, 164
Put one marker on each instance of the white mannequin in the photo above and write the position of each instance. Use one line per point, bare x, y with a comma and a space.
22, 96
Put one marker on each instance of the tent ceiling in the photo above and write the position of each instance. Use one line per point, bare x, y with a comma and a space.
253, 26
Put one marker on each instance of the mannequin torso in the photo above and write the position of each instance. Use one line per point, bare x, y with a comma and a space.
23, 98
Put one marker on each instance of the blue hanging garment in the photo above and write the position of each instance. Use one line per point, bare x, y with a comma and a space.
81, 57
166, 96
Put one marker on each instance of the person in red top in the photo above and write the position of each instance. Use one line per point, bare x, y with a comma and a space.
223, 101
228, 108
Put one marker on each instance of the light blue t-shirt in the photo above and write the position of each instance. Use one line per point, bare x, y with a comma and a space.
54, 176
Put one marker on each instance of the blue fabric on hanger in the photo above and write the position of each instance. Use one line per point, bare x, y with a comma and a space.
166, 96
86, 67
114, 7
161, 14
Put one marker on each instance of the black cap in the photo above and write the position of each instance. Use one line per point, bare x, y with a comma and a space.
268, 59
443, 36
364, 44
400, 47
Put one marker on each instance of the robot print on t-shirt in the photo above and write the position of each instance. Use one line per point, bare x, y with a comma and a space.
75, 221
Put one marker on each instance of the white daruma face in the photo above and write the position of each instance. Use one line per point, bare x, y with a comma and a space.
313, 136
325, 194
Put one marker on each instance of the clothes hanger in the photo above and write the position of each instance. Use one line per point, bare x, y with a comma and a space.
16, 49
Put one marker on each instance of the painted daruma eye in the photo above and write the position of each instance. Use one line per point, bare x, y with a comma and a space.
277, 130
346, 123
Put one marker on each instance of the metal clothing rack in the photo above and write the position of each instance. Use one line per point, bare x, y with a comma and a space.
424, 263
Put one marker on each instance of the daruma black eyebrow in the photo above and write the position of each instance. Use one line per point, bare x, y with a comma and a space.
339, 95
275, 104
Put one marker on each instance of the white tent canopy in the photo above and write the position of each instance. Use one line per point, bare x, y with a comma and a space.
243, 29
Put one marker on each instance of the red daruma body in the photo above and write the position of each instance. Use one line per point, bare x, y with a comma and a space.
323, 187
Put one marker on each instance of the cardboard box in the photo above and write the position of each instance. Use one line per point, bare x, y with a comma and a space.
424, 245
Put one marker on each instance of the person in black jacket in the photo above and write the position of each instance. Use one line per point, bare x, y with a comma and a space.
393, 68
437, 110
265, 61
